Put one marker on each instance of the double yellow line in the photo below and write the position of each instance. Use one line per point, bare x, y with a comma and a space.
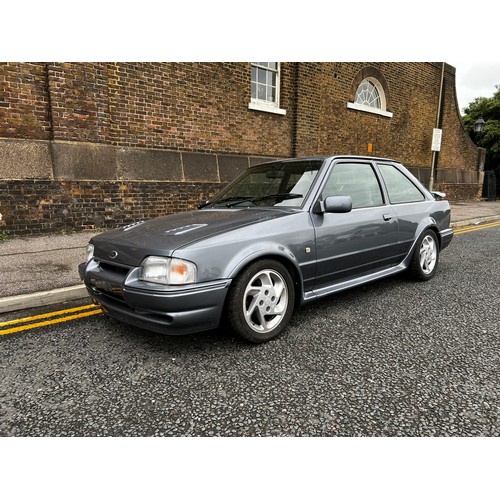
58, 317
470, 229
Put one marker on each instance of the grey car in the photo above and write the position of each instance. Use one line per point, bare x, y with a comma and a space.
279, 236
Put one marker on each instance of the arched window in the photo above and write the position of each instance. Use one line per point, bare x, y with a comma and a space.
369, 93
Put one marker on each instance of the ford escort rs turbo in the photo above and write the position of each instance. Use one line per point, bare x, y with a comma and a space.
279, 236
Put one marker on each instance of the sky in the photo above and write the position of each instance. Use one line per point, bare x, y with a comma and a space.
475, 79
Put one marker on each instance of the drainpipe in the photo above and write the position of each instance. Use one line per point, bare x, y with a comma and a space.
50, 119
295, 111
438, 120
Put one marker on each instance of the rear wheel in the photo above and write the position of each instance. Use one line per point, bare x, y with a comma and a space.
426, 256
261, 301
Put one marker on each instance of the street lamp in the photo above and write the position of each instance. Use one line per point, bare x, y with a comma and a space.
489, 186
479, 125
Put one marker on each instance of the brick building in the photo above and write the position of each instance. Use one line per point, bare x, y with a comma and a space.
94, 145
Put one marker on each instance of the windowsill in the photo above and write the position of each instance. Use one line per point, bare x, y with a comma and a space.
368, 109
266, 106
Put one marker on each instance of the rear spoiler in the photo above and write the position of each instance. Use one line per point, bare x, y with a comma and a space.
438, 195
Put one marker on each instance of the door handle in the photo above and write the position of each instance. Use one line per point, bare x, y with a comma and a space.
387, 216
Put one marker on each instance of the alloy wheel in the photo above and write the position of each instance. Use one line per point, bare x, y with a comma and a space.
428, 254
265, 300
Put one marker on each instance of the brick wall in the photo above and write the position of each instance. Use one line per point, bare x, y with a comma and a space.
79, 98
457, 147
188, 124
203, 107
43, 206
199, 107
326, 126
24, 111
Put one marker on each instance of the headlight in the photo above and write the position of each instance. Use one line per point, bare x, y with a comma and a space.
89, 253
167, 271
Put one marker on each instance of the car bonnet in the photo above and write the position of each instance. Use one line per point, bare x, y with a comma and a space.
130, 244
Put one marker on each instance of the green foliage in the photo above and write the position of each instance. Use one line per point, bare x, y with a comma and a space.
489, 109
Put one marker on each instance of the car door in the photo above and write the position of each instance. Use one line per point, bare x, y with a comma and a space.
408, 202
359, 242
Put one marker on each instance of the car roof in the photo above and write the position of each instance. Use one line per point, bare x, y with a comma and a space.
332, 157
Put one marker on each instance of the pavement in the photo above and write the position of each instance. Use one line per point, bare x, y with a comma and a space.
42, 270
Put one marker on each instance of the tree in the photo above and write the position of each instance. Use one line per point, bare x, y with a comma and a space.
489, 109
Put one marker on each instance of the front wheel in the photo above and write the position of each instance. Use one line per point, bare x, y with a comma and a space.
425, 259
261, 300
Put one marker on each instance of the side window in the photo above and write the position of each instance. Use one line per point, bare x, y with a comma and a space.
357, 180
400, 188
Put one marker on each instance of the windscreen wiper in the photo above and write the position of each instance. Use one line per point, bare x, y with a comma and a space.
278, 196
236, 199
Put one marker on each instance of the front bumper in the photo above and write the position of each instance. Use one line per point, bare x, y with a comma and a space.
173, 310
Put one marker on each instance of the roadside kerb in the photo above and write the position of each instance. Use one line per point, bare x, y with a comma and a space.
46, 298
473, 222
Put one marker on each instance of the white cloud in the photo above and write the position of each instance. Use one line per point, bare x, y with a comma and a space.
475, 80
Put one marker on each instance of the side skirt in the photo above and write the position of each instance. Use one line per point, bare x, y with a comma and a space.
362, 280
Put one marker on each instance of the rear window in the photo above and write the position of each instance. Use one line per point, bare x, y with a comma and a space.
400, 188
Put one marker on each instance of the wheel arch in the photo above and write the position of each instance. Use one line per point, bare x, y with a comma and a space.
431, 224
426, 224
424, 269
286, 259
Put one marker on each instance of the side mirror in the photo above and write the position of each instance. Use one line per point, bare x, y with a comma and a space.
334, 205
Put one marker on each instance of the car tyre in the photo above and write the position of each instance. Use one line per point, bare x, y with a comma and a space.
425, 258
261, 301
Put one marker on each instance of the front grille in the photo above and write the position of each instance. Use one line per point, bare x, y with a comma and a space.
108, 278
106, 266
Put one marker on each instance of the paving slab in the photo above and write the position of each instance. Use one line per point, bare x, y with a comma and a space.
41, 263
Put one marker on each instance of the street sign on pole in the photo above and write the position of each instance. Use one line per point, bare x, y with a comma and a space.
437, 135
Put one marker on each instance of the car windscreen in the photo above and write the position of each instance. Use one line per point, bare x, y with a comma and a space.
269, 185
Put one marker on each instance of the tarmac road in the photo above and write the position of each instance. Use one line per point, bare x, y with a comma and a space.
394, 358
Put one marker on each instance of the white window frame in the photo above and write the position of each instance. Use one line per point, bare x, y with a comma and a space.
382, 111
264, 105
